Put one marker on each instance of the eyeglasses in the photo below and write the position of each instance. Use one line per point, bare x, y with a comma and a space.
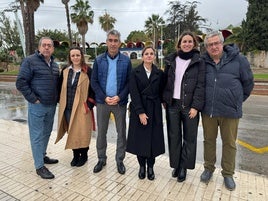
210, 45
48, 45
113, 40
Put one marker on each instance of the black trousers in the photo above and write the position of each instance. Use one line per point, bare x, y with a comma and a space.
142, 161
182, 136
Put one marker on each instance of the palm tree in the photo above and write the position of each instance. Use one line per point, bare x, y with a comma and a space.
152, 28
183, 16
176, 15
82, 15
28, 7
192, 19
107, 22
65, 2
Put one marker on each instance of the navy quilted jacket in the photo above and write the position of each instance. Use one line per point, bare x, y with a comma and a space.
228, 86
37, 80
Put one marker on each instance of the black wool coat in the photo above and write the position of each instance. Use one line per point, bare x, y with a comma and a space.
146, 140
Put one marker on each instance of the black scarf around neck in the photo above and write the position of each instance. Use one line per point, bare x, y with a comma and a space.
186, 55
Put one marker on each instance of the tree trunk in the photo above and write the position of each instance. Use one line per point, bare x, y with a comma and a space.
32, 46
68, 24
84, 43
27, 11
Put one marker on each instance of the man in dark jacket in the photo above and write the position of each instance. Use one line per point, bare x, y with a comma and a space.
109, 80
229, 82
38, 83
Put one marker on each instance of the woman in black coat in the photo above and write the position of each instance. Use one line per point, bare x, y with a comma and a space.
184, 97
145, 134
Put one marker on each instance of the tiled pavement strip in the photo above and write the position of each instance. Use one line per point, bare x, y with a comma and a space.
18, 180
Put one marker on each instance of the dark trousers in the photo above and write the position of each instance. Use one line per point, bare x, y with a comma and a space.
103, 116
142, 161
182, 136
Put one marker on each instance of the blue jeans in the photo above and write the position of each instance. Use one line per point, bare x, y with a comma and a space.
40, 121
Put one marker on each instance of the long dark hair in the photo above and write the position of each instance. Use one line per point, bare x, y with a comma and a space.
178, 46
84, 66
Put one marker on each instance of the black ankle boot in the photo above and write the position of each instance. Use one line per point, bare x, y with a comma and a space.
142, 172
150, 173
83, 157
76, 155
182, 174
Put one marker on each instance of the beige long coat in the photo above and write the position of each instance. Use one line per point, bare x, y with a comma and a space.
80, 128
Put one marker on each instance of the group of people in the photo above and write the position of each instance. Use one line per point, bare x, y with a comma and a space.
215, 84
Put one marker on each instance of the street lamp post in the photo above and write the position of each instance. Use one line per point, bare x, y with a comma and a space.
161, 46
19, 27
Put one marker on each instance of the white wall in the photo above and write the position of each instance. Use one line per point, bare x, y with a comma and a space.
258, 59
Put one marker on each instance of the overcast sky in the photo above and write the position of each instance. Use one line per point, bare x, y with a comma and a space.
131, 15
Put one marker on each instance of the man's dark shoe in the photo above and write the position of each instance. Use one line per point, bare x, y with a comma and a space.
48, 160
229, 183
99, 166
182, 175
150, 173
175, 172
142, 172
206, 176
44, 173
121, 168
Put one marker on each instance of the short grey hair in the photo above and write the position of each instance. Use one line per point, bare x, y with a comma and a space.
45, 37
114, 33
212, 34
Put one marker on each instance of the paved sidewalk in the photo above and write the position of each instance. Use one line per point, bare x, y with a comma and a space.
18, 180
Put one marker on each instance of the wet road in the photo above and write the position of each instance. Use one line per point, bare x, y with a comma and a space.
252, 143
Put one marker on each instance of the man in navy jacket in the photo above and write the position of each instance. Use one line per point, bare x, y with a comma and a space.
109, 80
229, 82
38, 82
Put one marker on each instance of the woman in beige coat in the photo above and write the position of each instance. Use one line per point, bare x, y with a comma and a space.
75, 106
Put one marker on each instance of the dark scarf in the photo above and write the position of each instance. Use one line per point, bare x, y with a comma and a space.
186, 55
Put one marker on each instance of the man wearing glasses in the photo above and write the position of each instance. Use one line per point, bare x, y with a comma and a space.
109, 80
38, 83
229, 82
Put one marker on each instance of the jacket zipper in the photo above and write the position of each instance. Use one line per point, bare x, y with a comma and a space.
212, 108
